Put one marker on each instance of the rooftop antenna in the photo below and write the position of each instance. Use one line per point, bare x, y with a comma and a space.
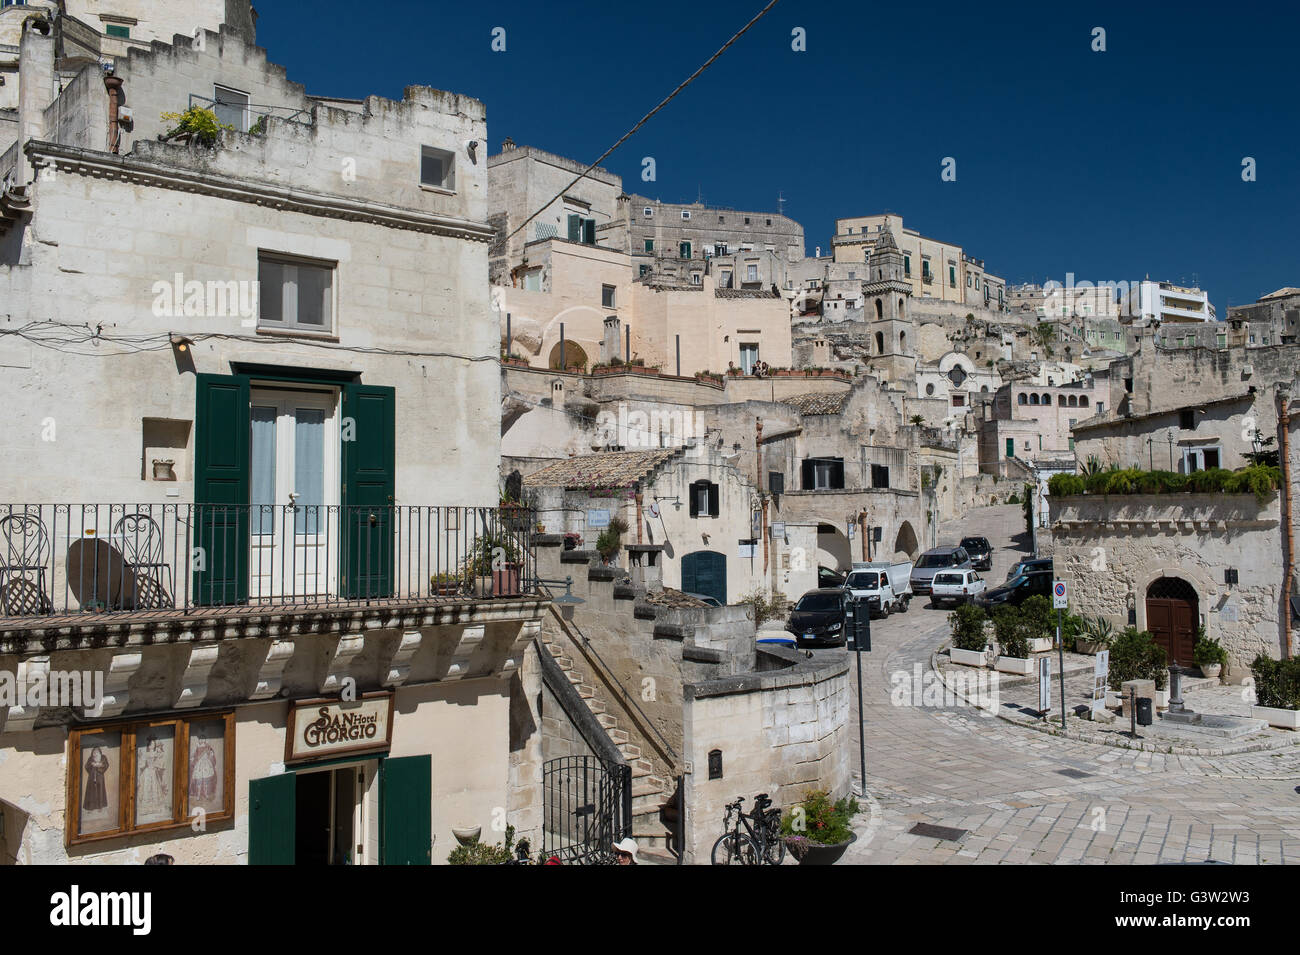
780, 203
699, 194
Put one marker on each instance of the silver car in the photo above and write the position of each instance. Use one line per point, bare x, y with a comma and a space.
950, 557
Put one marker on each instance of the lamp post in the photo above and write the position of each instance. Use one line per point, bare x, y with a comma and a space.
566, 601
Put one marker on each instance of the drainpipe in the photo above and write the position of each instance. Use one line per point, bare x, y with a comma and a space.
114, 86
1288, 532
639, 521
758, 454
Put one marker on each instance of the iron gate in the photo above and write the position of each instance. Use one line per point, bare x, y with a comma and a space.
587, 807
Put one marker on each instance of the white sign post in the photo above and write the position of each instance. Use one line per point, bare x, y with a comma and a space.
1059, 603
1044, 684
1100, 675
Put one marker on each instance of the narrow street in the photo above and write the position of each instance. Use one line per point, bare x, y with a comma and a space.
1009, 788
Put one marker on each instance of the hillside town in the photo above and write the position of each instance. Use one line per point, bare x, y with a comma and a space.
380, 490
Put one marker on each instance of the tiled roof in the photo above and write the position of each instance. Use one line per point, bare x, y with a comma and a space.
745, 293
820, 403
613, 469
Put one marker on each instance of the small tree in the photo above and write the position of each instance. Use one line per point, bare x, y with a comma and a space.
1012, 632
967, 623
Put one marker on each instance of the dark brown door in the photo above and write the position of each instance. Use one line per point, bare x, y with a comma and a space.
1173, 623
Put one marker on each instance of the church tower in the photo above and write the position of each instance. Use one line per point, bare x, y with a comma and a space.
888, 311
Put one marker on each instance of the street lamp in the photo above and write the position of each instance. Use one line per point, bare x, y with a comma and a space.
566, 601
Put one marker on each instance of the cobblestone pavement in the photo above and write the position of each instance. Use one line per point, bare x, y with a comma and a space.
1004, 784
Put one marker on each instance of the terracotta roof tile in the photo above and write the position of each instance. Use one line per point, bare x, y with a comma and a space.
819, 403
613, 469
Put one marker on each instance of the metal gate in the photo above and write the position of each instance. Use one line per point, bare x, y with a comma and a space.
587, 807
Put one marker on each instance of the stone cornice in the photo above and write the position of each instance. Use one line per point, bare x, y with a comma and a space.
101, 165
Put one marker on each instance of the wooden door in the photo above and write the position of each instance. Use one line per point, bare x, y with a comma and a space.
1172, 621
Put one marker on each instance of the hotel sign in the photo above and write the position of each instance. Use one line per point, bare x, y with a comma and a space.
326, 728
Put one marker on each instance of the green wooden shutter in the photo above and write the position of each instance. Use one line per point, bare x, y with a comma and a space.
405, 803
221, 494
271, 810
369, 462
589, 231
575, 228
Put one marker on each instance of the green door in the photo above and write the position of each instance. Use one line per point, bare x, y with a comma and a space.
1011, 447
221, 430
271, 804
705, 572
369, 461
406, 798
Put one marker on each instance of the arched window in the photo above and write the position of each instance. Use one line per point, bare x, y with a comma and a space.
902, 341
1060, 401
880, 341
1083, 401
880, 309
900, 308
984, 389
1033, 398
1021, 399
1047, 399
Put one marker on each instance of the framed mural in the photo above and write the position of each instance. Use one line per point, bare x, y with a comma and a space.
149, 775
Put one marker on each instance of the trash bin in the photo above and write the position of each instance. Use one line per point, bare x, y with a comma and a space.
1144, 710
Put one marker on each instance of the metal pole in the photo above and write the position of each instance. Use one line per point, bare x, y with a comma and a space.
627, 344
561, 346
679, 355
507, 334
1060, 659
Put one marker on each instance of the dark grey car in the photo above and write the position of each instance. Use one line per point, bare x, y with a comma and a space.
948, 557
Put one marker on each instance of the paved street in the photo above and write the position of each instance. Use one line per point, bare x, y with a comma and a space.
1004, 783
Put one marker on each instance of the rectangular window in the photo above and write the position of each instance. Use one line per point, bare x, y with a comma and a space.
1011, 447
823, 474
533, 280
649, 245
231, 107
644, 270
647, 211
295, 294
696, 278
952, 277
684, 250
1187, 419
879, 475
907, 266
704, 501
582, 229
437, 168
607, 296
748, 356
725, 281
751, 273
685, 214
968, 281
958, 400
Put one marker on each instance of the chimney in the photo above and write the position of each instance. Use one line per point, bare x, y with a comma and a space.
507, 144
35, 87
609, 344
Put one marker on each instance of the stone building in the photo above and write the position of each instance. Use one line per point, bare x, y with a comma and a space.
213, 350
1279, 310
1027, 423
655, 233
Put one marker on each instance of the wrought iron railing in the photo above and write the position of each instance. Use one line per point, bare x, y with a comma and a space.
58, 559
248, 116
586, 806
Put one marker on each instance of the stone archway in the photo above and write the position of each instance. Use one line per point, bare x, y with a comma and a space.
834, 550
1172, 617
575, 357
906, 546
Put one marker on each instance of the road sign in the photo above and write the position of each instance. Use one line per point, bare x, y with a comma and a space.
1059, 601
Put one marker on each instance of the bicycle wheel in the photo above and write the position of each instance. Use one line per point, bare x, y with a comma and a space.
774, 851
735, 848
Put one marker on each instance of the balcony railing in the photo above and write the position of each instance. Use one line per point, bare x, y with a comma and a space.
94, 559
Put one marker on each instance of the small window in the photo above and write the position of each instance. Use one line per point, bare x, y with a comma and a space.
296, 294
533, 280
746, 220
696, 279
230, 107
607, 296
704, 499
647, 212
1187, 420
879, 475
748, 356
751, 273
649, 245
684, 250
725, 280
437, 168
721, 220
645, 270
958, 400
769, 221
686, 214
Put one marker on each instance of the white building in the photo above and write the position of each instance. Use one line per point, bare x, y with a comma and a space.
1164, 302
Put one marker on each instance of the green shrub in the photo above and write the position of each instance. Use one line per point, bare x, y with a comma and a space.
611, 539
1135, 655
1122, 482
1207, 651
967, 623
1012, 632
1065, 485
1277, 682
1258, 479
196, 123
1208, 481
1099, 631
480, 853
819, 820
763, 608
1072, 628
1039, 619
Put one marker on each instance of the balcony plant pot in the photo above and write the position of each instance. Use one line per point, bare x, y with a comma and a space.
814, 853
1015, 665
1283, 719
969, 658
444, 587
505, 582
1211, 671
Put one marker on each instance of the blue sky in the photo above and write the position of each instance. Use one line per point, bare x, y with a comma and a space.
1113, 165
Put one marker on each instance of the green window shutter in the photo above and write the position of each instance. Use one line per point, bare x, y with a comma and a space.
221, 493
271, 824
589, 231
575, 228
369, 463
406, 798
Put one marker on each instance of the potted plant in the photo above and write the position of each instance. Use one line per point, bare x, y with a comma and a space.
1208, 654
1277, 691
494, 561
572, 541
445, 584
816, 830
611, 539
1014, 655
195, 125
480, 853
969, 639
1135, 655
1095, 635
1039, 623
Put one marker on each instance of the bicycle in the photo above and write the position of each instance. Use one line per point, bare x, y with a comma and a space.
759, 843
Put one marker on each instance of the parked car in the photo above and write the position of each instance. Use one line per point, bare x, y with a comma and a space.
1030, 565
711, 601
886, 587
827, 578
955, 587
980, 550
1017, 590
818, 618
949, 557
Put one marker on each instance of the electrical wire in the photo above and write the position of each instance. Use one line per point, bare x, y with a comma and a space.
646, 118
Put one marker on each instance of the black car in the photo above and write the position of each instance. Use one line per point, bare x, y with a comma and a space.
827, 578
1017, 590
817, 620
980, 551
1030, 565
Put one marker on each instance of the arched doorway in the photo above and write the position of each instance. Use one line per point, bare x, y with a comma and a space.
574, 357
705, 572
833, 548
1172, 617
906, 546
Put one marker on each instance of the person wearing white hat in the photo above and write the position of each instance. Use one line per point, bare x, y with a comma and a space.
625, 851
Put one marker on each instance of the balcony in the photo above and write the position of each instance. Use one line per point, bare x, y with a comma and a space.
78, 565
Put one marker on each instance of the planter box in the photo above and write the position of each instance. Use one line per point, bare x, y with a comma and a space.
1015, 665
810, 853
505, 582
969, 658
1040, 644
1285, 719
1162, 699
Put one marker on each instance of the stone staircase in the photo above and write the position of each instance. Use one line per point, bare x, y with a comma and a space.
649, 791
